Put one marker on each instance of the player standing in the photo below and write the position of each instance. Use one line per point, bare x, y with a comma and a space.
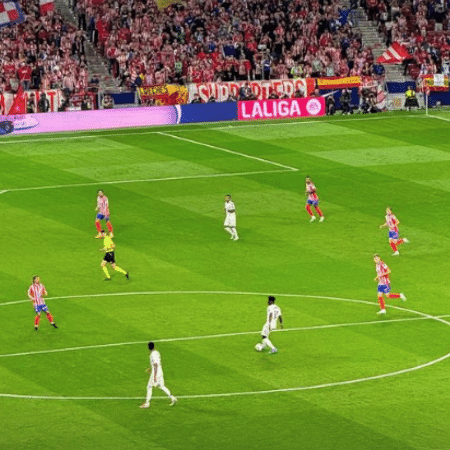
103, 213
109, 258
312, 199
230, 218
384, 285
156, 377
392, 223
36, 292
273, 316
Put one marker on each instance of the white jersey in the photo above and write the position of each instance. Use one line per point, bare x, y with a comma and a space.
275, 312
230, 218
155, 358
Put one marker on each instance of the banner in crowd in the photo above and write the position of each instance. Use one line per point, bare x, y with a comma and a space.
163, 94
281, 109
220, 91
434, 83
338, 82
395, 54
10, 13
55, 98
46, 6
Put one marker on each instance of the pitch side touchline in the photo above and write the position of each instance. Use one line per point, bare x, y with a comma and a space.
439, 118
182, 129
149, 180
231, 394
267, 161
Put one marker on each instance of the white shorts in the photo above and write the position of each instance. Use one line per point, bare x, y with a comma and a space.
266, 330
230, 220
158, 383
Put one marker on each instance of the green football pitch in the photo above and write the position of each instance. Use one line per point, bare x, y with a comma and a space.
344, 377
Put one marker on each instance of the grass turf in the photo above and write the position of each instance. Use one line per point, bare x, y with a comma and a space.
166, 197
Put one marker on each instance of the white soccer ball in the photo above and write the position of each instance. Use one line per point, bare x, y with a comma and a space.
258, 347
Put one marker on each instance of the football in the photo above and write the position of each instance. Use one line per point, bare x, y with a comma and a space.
258, 347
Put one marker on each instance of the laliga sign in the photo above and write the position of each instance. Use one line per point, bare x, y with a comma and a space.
281, 109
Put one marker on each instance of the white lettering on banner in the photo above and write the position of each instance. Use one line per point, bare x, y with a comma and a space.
55, 98
286, 108
261, 89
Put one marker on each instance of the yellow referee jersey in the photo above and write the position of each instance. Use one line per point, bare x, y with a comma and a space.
108, 244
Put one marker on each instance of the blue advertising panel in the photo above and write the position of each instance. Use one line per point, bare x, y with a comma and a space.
208, 112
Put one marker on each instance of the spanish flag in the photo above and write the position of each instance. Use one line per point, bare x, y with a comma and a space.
163, 4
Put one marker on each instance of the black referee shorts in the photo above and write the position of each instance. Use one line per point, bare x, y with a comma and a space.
109, 258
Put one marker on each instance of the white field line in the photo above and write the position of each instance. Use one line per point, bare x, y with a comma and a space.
214, 336
148, 180
181, 129
422, 315
439, 118
232, 152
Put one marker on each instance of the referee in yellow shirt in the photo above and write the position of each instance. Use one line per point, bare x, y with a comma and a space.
108, 248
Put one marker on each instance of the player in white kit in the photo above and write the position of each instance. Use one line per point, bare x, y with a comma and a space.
230, 218
273, 317
156, 377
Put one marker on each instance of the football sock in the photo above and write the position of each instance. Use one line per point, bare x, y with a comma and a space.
50, 317
110, 227
98, 225
393, 246
393, 295
229, 230
36, 320
381, 302
120, 270
234, 233
149, 395
400, 241
164, 389
319, 211
308, 208
106, 271
268, 343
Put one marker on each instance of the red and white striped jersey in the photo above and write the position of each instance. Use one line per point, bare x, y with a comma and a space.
392, 222
36, 292
382, 273
103, 205
311, 189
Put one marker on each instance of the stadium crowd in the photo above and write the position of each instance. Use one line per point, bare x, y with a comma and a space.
42, 53
223, 40
422, 26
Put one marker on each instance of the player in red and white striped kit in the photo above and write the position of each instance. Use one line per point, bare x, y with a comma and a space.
312, 199
103, 213
392, 223
384, 284
36, 293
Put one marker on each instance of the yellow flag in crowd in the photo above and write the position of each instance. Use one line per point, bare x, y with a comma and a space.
162, 4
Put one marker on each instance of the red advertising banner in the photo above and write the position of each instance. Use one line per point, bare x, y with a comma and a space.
281, 109
261, 89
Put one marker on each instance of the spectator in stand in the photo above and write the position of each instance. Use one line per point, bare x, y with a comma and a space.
43, 103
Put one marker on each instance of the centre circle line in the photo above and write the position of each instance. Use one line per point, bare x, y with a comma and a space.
422, 315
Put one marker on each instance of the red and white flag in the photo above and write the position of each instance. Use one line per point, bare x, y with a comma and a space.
10, 13
46, 6
19, 106
395, 54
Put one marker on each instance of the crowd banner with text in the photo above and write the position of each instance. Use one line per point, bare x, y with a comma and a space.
433, 83
54, 96
163, 94
338, 82
281, 109
220, 91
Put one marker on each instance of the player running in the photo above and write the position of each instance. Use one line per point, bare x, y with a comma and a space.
156, 377
103, 213
312, 199
273, 315
392, 223
36, 292
230, 218
384, 285
109, 258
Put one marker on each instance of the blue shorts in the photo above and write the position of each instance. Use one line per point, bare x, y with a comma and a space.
393, 234
41, 308
312, 202
101, 217
384, 288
